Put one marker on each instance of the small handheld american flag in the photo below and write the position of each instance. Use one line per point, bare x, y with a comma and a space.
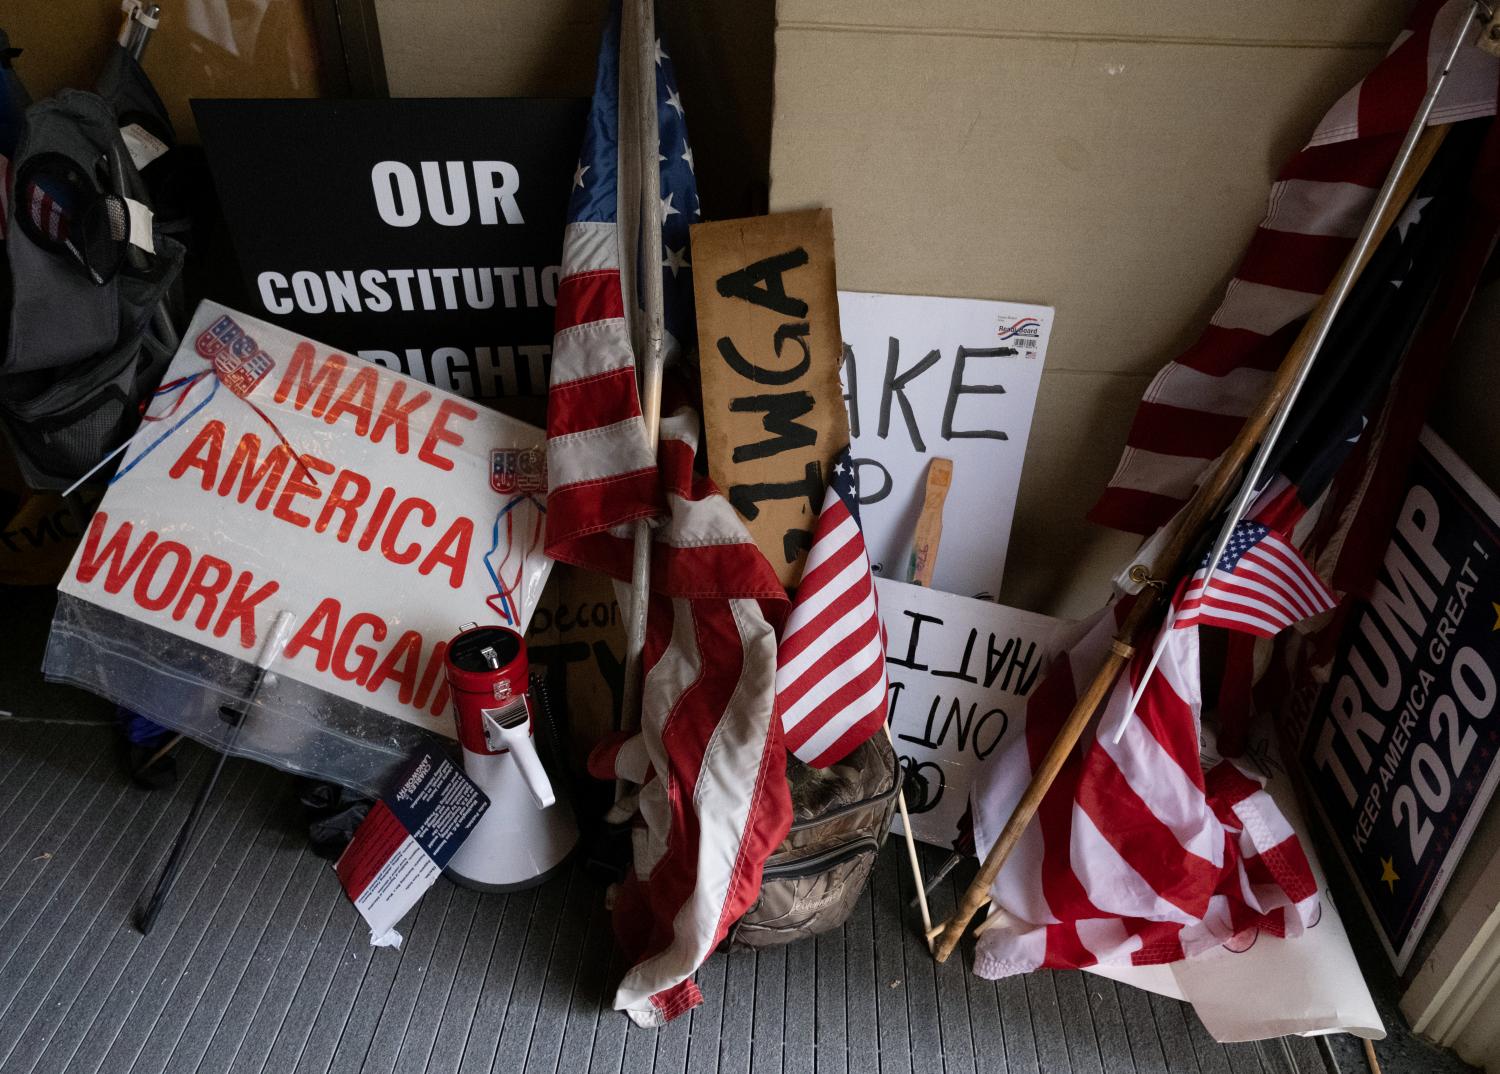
830, 665
1261, 586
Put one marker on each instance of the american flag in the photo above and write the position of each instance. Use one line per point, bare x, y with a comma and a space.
47, 212
1141, 853
1196, 404
709, 760
830, 666
1262, 586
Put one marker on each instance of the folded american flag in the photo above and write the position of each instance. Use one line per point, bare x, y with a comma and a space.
1262, 586
830, 665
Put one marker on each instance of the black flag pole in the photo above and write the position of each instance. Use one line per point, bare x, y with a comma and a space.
280, 630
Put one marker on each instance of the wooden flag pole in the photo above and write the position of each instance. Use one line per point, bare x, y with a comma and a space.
929, 534
1411, 163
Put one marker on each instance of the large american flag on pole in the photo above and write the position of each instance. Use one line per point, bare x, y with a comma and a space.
830, 666
709, 761
1197, 403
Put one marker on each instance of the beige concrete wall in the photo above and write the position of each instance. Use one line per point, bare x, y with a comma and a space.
515, 48
1110, 160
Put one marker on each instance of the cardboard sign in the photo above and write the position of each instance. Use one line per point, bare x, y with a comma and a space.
425, 235
948, 378
577, 643
769, 350
1401, 748
959, 672
347, 494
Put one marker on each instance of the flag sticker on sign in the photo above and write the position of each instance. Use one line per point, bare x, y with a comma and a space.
239, 362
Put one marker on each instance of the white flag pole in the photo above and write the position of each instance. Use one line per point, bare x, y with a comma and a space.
647, 325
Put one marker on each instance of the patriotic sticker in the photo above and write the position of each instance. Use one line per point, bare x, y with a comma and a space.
518, 470
238, 360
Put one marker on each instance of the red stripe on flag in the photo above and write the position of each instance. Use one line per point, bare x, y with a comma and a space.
585, 297
1364, 162
1223, 350
1174, 430
592, 402
1293, 261
1134, 510
1390, 94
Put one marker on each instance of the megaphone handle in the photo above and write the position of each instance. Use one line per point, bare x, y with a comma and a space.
517, 739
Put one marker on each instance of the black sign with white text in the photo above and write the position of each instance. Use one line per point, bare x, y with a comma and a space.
424, 235
1401, 747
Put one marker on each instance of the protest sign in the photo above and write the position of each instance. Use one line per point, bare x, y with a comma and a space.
769, 351
425, 235
1307, 985
277, 474
959, 672
951, 378
1401, 746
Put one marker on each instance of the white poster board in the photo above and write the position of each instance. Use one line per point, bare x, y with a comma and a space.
402, 522
959, 672
950, 378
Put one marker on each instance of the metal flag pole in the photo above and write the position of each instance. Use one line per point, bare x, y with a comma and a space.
649, 343
280, 630
1416, 152
140, 20
1317, 330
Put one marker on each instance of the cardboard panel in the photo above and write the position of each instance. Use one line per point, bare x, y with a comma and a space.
1115, 180
769, 351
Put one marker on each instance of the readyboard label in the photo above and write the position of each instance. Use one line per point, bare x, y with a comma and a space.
424, 235
1401, 747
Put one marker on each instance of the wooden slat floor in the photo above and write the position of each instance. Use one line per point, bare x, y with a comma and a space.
259, 964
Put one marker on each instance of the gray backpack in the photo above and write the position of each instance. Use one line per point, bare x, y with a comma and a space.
89, 335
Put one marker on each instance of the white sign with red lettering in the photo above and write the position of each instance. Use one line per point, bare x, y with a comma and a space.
274, 473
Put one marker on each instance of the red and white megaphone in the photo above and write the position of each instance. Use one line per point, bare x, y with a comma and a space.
527, 832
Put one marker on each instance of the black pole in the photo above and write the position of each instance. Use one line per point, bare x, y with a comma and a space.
280, 629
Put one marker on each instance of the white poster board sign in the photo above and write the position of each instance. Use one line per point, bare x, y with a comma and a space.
382, 512
959, 672
1308, 985
950, 378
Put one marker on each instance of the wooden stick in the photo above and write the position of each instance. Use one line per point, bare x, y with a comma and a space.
929, 534
1200, 509
171, 744
911, 845
1370, 1060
